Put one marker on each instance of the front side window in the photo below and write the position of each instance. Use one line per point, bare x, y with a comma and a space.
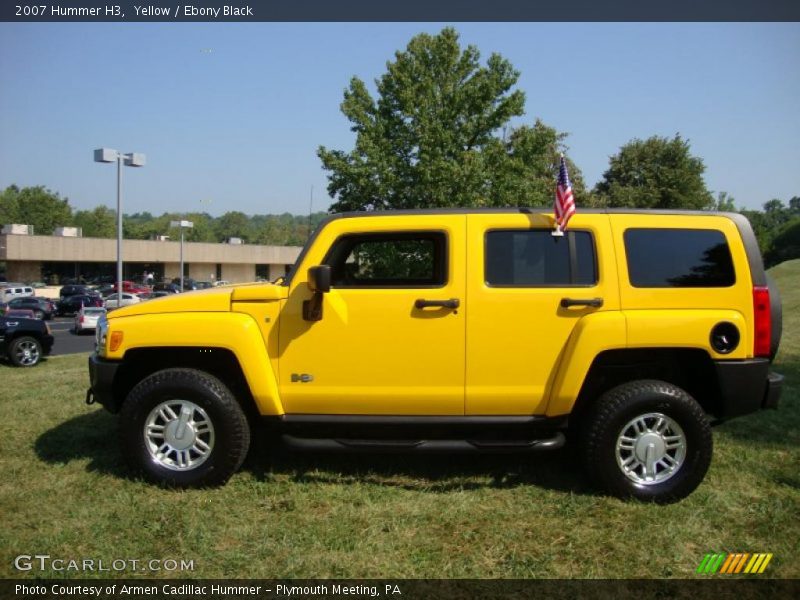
413, 259
536, 258
678, 258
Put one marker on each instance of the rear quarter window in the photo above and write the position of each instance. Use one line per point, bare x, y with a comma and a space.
678, 258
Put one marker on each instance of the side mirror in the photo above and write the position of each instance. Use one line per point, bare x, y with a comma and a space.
319, 279
319, 282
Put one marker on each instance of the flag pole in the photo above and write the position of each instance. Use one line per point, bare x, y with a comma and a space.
557, 232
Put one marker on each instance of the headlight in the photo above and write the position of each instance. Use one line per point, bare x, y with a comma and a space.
100, 335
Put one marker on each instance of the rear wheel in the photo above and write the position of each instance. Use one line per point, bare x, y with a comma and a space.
648, 440
183, 427
38, 314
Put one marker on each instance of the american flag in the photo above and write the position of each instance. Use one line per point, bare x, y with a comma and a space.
564, 203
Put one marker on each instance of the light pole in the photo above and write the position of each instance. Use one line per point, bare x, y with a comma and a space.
183, 225
132, 159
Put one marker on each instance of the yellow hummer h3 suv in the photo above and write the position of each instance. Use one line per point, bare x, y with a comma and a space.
461, 330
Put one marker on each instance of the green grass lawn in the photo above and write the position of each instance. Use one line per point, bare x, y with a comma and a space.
65, 491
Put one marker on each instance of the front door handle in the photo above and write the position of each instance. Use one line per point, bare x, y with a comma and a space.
451, 303
593, 302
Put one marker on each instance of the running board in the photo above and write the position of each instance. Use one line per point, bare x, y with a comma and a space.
421, 446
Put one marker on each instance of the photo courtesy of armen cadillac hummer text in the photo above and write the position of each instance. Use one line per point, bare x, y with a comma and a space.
460, 331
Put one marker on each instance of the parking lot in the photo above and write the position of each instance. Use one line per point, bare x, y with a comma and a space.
67, 341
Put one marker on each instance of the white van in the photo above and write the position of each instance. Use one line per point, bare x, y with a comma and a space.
9, 293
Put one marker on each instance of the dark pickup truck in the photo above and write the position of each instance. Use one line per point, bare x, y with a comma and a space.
24, 341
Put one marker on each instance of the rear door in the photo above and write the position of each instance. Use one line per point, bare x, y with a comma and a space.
526, 291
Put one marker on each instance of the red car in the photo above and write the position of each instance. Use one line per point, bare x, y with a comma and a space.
130, 287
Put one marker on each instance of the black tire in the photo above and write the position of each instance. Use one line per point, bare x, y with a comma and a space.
607, 422
38, 314
230, 433
25, 351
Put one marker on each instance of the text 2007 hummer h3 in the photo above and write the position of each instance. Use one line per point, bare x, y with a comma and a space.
461, 331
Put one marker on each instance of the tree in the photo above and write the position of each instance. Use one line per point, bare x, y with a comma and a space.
9, 205
233, 224
36, 206
655, 173
725, 202
100, 222
785, 245
431, 139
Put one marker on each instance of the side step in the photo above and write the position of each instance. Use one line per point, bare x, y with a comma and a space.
422, 446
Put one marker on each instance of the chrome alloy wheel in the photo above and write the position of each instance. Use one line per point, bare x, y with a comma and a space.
27, 353
179, 435
651, 448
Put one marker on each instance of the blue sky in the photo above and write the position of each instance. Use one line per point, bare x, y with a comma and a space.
230, 115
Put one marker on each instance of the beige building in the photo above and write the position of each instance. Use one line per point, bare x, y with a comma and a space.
54, 259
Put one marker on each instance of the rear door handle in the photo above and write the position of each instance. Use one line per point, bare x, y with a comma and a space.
593, 302
451, 303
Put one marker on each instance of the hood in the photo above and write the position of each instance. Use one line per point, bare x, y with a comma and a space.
210, 300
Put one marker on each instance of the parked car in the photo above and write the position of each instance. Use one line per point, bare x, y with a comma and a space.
76, 290
9, 293
170, 288
131, 287
188, 284
203, 285
43, 308
633, 332
112, 301
20, 313
24, 341
221, 282
72, 304
87, 317
154, 295
104, 289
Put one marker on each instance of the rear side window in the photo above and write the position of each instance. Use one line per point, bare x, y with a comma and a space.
660, 258
403, 259
536, 258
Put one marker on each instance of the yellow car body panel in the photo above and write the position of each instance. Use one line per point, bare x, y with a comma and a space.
373, 352
239, 333
592, 335
516, 335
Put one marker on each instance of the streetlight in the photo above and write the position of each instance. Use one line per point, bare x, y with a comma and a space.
183, 225
132, 159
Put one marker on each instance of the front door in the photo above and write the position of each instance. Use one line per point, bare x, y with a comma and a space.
391, 337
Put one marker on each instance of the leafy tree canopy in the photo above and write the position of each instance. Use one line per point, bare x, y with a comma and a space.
438, 135
36, 206
655, 173
100, 222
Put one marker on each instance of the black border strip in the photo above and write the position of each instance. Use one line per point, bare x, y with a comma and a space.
718, 587
416, 11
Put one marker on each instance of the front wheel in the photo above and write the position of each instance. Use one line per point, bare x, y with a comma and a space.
25, 352
183, 427
649, 440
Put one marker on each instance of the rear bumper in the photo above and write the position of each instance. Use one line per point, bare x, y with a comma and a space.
101, 383
747, 386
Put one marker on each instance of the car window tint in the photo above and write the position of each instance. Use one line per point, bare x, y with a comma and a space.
415, 259
536, 258
678, 258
